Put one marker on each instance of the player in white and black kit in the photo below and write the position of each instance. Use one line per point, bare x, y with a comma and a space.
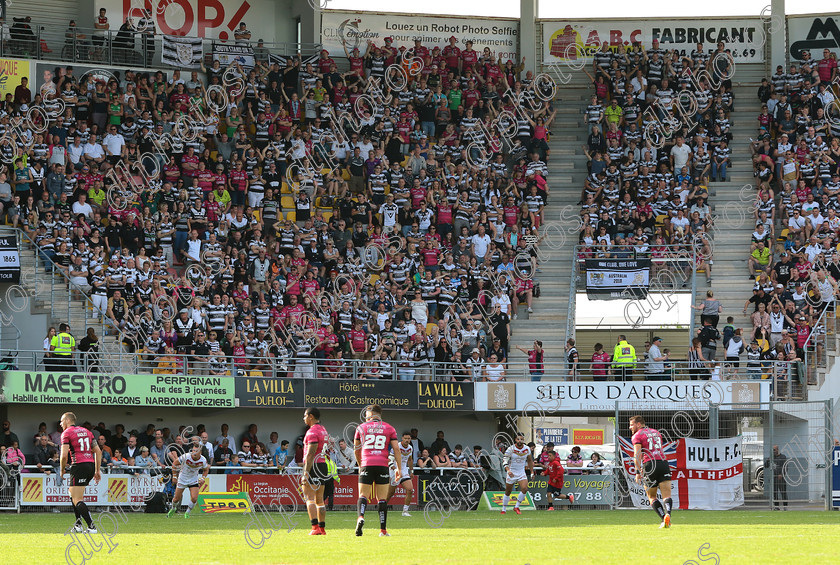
194, 470
407, 456
516, 457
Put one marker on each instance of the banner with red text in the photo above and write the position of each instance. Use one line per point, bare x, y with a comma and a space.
209, 19
706, 474
571, 40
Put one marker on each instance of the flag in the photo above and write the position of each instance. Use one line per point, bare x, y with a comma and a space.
227, 54
706, 474
183, 52
669, 447
281, 59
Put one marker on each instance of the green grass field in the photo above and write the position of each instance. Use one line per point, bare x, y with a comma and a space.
482, 537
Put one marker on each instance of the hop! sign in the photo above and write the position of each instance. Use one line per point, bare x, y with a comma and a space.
196, 18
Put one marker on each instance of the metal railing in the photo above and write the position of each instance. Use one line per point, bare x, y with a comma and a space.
63, 293
9, 336
782, 373
48, 277
573, 285
821, 346
122, 48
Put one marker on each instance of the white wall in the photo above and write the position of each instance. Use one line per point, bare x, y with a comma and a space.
16, 308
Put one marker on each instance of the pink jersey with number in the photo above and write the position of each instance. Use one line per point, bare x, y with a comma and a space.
375, 437
81, 444
651, 443
317, 434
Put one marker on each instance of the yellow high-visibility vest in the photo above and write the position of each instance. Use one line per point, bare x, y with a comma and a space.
624, 354
63, 344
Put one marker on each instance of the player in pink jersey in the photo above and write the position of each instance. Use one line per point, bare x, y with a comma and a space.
652, 467
315, 472
79, 448
371, 442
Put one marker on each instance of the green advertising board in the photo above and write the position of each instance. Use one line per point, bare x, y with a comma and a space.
23, 387
597, 490
494, 499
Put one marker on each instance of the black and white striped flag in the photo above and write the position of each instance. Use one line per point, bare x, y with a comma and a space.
281, 59
182, 52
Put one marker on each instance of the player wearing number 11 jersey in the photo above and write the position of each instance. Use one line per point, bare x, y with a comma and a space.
652, 468
372, 441
79, 450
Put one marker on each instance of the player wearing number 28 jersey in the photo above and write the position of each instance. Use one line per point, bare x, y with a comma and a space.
372, 441
652, 468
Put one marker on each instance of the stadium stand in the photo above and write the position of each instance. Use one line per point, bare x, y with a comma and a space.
266, 236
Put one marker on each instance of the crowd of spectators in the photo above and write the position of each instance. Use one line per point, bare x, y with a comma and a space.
647, 201
793, 251
408, 251
152, 451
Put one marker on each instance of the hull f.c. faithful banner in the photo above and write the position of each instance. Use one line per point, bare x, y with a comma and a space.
706, 474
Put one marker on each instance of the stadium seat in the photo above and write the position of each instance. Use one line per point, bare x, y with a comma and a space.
292, 216
327, 216
287, 202
783, 235
284, 188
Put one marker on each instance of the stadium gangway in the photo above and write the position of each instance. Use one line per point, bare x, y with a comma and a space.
787, 378
88, 45
821, 345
